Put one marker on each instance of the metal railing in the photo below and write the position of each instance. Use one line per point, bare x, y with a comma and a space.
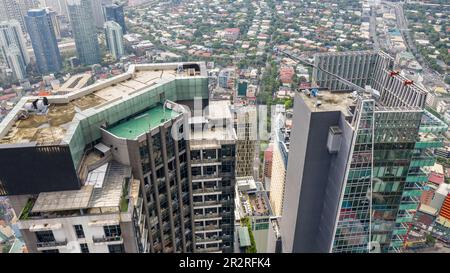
106, 239
51, 244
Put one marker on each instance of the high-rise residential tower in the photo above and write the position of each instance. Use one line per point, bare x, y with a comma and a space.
281, 141
84, 31
53, 16
12, 10
212, 157
59, 6
356, 161
114, 39
114, 165
97, 11
115, 13
13, 49
43, 40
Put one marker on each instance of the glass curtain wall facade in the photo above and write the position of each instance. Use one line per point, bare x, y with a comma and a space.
353, 227
384, 182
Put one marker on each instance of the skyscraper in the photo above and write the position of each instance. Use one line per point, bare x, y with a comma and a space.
356, 160
13, 49
281, 138
246, 130
212, 157
114, 39
12, 10
84, 31
114, 179
55, 23
43, 40
114, 13
59, 6
15, 62
97, 11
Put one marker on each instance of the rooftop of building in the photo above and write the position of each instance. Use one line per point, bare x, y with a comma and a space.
213, 131
212, 137
253, 200
52, 126
219, 109
74, 83
106, 190
328, 101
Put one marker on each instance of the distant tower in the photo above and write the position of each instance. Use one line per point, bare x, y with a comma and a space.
53, 16
114, 39
59, 6
43, 40
15, 62
13, 51
115, 13
84, 32
97, 11
11, 10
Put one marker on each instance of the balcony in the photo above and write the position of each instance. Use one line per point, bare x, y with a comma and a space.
208, 250
204, 160
205, 176
208, 228
106, 239
206, 203
207, 216
216, 239
207, 190
51, 244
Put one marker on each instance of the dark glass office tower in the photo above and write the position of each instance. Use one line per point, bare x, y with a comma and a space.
115, 13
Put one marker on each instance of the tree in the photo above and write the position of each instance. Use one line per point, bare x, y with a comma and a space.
252, 248
288, 103
430, 240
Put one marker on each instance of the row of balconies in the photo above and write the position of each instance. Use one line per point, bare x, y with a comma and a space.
96, 240
51, 244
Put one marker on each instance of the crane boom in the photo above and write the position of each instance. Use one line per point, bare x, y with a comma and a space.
305, 62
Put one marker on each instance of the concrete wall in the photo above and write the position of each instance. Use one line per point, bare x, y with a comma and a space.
332, 196
307, 179
67, 232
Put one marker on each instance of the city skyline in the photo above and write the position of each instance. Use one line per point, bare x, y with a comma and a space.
224, 126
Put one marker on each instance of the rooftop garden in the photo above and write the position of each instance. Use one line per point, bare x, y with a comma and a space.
252, 248
24, 215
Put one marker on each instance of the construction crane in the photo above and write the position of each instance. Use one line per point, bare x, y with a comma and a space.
289, 54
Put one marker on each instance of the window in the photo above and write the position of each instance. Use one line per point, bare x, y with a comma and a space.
50, 251
196, 171
84, 248
116, 248
209, 170
45, 236
79, 231
112, 231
